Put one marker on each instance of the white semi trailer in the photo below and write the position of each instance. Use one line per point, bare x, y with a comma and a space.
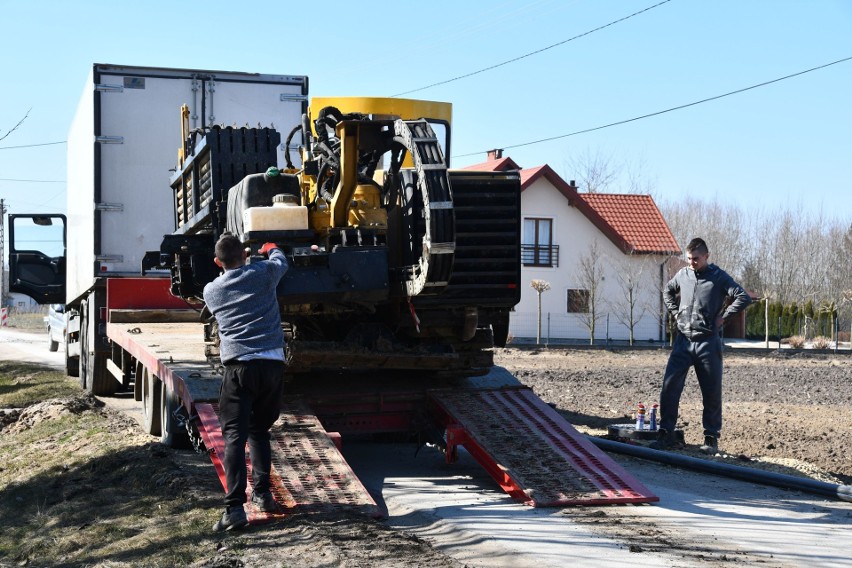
122, 150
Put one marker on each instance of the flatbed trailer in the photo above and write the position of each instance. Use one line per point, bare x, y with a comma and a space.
402, 277
533, 453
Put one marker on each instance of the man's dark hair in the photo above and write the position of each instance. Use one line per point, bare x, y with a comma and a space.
229, 250
697, 245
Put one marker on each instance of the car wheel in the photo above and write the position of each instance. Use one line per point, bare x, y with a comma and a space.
52, 345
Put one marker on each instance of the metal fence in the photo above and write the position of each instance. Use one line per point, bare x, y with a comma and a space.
570, 328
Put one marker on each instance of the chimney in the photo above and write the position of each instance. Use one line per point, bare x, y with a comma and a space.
495, 154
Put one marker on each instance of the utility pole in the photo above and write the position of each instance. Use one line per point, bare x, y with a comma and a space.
2, 253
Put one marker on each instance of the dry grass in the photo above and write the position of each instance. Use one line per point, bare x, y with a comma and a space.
22, 384
28, 321
81, 486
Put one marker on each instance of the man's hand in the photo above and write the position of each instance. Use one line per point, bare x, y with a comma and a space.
264, 250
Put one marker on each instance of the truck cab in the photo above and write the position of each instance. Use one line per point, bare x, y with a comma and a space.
37, 250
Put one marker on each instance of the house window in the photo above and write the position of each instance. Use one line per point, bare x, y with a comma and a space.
578, 301
538, 248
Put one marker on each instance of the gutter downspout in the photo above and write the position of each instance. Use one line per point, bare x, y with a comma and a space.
663, 311
842, 492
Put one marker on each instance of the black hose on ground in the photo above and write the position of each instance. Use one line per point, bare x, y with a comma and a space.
842, 492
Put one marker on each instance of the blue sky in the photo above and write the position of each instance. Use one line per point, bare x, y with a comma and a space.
785, 145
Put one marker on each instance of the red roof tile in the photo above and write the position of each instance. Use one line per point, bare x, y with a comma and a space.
632, 222
499, 165
637, 219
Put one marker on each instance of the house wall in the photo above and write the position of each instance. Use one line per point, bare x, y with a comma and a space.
21, 302
575, 235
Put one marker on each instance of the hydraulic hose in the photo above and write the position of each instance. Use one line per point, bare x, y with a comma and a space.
287, 146
842, 492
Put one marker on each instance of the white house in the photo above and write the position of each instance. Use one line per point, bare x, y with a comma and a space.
603, 255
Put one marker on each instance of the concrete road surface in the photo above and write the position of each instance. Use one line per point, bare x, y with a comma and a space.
28, 346
701, 520
32, 347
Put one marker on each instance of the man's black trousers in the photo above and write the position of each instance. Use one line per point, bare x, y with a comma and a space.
249, 404
705, 356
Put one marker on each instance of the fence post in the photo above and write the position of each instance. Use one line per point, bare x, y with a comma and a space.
836, 331
548, 329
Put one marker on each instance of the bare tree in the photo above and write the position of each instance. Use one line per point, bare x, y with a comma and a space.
590, 278
724, 226
598, 172
839, 276
14, 128
631, 272
638, 181
784, 254
540, 286
594, 171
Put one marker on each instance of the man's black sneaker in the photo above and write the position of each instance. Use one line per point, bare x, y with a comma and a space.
665, 441
265, 502
233, 518
711, 445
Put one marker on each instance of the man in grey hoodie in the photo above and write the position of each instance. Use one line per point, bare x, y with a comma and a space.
701, 297
245, 303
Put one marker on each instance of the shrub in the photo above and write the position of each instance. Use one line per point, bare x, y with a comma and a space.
796, 342
821, 342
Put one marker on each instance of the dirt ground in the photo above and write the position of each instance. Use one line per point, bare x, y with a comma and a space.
788, 413
791, 410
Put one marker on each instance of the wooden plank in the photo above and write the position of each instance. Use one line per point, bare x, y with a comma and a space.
153, 316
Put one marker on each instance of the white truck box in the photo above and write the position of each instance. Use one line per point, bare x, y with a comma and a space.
123, 148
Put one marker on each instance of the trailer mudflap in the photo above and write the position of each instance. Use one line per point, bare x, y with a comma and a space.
308, 472
531, 451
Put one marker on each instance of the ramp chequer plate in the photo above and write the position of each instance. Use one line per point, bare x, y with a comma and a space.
532, 452
308, 472
311, 468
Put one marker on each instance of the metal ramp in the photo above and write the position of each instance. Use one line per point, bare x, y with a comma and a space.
308, 472
531, 451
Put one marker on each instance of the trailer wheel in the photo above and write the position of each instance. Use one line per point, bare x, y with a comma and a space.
173, 431
84, 347
137, 382
151, 386
94, 376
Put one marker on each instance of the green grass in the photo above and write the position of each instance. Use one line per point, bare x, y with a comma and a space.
22, 384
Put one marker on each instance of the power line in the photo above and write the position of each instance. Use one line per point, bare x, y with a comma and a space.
471, 74
35, 180
32, 145
659, 112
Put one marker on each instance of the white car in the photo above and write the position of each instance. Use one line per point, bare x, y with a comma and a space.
55, 326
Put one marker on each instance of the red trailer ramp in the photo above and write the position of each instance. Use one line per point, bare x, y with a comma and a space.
531, 451
308, 472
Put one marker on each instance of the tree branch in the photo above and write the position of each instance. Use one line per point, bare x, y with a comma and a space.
14, 128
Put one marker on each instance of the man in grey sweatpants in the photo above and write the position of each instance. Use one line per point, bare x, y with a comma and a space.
697, 298
251, 344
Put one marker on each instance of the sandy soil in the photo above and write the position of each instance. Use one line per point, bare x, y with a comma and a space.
793, 410
785, 413
789, 413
